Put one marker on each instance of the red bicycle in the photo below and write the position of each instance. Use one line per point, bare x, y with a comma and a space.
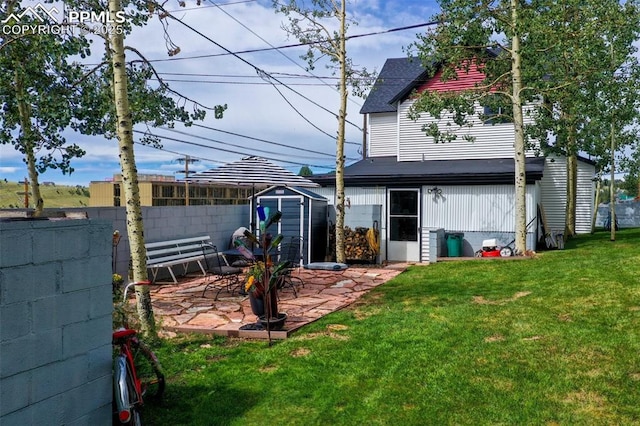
136, 372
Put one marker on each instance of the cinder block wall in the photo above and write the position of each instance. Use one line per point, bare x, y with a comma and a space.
55, 322
167, 223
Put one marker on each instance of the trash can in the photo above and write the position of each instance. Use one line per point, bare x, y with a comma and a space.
454, 244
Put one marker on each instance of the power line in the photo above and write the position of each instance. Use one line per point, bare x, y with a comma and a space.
234, 145
228, 150
258, 70
278, 50
264, 140
288, 46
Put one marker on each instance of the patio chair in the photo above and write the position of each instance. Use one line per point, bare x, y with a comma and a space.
218, 273
290, 252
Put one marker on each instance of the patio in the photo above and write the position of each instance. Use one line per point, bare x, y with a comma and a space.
181, 309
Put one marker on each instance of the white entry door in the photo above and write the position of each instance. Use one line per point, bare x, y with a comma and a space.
403, 225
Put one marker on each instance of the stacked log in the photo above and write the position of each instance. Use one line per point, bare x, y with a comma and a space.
356, 245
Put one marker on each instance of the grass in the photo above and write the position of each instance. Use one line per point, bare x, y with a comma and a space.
552, 340
12, 195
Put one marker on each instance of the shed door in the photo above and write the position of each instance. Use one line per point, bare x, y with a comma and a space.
403, 226
292, 208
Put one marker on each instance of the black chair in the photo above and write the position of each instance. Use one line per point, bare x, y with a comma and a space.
218, 273
290, 250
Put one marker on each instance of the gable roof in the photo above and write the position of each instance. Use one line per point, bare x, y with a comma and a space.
388, 171
396, 75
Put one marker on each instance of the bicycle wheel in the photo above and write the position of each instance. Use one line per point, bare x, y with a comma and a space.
126, 403
148, 370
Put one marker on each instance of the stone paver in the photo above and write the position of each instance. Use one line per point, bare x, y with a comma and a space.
182, 309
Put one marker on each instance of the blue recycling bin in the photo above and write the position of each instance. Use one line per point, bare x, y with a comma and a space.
454, 244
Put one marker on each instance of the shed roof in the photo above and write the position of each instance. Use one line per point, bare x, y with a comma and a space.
388, 171
301, 191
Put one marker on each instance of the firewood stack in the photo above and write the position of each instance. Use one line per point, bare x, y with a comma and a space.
356, 245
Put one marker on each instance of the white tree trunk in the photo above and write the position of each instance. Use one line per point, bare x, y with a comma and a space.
24, 110
130, 175
519, 145
342, 117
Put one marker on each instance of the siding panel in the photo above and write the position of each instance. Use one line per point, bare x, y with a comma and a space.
383, 134
491, 141
478, 208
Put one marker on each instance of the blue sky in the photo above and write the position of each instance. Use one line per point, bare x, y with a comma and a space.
255, 108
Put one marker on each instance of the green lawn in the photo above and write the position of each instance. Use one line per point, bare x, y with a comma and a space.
551, 341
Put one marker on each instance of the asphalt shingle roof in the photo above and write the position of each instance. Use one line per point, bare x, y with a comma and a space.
389, 171
395, 76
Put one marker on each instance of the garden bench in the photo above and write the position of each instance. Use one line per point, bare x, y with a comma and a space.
183, 251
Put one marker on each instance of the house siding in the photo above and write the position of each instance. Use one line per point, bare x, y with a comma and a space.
554, 194
477, 208
490, 141
383, 134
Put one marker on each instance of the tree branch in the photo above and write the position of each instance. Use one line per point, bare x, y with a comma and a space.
161, 81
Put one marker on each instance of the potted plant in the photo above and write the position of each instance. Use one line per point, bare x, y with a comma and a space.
263, 276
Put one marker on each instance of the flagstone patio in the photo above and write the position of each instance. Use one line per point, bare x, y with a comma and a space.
181, 308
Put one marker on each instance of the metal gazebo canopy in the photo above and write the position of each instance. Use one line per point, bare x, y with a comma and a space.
252, 172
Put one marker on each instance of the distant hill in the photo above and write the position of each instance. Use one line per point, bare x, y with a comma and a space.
12, 195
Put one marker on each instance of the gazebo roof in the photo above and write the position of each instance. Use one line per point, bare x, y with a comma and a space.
252, 172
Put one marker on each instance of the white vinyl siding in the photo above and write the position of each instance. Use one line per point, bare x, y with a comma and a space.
554, 194
491, 141
585, 197
383, 134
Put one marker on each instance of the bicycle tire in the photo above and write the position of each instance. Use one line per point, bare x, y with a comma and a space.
148, 370
125, 395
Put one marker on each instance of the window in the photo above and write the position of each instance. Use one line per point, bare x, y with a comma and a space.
497, 110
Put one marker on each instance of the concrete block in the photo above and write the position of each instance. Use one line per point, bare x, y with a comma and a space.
48, 412
15, 393
21, 417
66, 308
84, 399
101, 237
81, 337
22, 284
67, 240
100, 301
100, 361
15, 320
29, 352
19, 251
79, 274
59, 377
99, 417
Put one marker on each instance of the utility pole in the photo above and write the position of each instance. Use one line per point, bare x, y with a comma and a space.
186, 160
26, 193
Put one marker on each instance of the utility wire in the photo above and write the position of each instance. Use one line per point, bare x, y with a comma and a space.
287, 46
228, 143
258, 70
279, 51
266, 141
229, 150
179, 154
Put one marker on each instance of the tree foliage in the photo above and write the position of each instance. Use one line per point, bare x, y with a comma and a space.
565, 71
314, 23
38, 95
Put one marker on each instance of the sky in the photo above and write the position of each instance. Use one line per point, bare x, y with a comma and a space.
295, 129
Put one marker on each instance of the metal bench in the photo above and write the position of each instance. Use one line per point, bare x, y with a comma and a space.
183, 251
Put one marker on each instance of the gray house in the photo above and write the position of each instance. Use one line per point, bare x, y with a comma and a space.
427, 189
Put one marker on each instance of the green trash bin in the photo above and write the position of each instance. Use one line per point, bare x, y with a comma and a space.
454, 244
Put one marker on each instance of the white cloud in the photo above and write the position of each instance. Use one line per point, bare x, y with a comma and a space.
253, 110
